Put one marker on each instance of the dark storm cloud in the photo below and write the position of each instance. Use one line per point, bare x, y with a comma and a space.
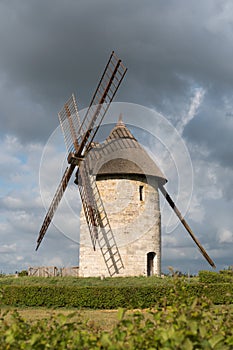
213, 127
50, 49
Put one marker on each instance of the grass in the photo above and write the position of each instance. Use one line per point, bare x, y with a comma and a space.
91, 281
98, 319
103, 320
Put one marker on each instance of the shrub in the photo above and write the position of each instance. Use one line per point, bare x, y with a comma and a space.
215, 277
23, 273
105, 297
228, 272
193, 324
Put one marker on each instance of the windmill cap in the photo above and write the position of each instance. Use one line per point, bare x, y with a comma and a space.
121, 154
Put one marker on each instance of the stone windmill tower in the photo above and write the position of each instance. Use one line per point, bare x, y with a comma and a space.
118, 184
127, 179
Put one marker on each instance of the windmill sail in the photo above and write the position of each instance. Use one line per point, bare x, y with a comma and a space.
78, 135
78, 143
97, 220
184, 223
103, 96
89, 205
70, 123
55, 202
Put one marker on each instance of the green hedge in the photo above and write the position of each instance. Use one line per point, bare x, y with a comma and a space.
225, 276
113, 297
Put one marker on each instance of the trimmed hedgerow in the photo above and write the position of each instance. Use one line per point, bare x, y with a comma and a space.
215, 277
96, 297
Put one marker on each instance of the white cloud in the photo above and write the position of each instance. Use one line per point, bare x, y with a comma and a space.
225, 236
21, 208
8, 248
19, 258
195, 102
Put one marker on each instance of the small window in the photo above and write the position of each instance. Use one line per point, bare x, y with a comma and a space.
141, 193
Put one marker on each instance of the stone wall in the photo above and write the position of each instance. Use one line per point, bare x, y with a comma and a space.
132, 206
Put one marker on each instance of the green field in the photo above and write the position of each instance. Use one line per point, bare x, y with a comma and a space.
193, 324
181, 314
101, 319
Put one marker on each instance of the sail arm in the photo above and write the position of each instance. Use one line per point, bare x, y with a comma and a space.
55, 202
185, 224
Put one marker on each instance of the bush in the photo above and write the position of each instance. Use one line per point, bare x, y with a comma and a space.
228, 272
23, 273
225, 276
193, 324
97, 297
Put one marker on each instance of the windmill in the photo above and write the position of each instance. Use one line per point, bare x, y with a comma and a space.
79, 134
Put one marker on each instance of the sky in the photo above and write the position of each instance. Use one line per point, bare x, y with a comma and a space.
179, 59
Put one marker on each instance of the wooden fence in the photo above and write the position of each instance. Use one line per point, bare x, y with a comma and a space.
53, 271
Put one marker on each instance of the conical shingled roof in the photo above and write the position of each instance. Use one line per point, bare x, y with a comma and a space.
122, 154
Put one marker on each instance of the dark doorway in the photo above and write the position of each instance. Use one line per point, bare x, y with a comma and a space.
150, 263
